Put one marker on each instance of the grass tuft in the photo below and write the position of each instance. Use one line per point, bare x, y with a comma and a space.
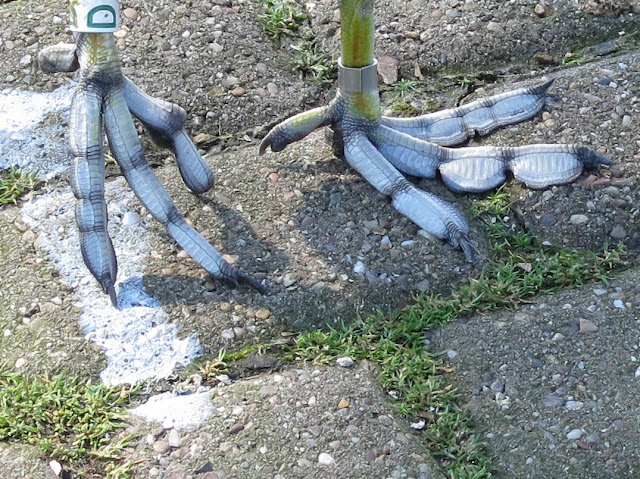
404, 87
14, 182
67, 419
281, 17
308, 59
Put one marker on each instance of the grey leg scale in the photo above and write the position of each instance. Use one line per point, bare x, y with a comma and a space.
87, 182
165, 123
126, 147
456, 125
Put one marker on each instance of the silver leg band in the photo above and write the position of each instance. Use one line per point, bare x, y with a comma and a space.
354, 80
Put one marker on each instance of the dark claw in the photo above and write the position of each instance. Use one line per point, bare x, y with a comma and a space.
244, 278
591, 159
468, 249
111, 291
459, 238
264, 144
542, 88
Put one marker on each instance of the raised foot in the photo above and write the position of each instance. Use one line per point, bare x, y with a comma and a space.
381, 148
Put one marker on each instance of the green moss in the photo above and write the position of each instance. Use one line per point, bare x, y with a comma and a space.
67, 419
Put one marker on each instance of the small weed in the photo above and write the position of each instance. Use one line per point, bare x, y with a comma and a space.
519, 268
211, 367
214, 367
462, 81
406, 107
282, 17
309, 61
67, 419
405, 87
14, 182
496, 204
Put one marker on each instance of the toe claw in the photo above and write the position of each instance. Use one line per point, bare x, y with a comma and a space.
459, 238
264, 144
238, 277
111, 291
591, 159
468, 249
542, 88
254, 283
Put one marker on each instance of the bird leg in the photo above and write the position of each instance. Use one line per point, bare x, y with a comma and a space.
103, 101
380, 148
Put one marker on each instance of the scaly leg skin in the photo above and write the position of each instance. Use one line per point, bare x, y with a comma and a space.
104, 95
163, 120
380, 148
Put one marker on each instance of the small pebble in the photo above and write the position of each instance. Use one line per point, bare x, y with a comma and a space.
359, 267
56, 467
263, 313
618, 303
20, 363
574, 434
130, 13
574, 405
130, 218
228, 334
451, 354
238, 91
578, 219
540, 10
551, 400
418, 425
495, 27
345, 361
587, 326
326, 459
173, 438
618, 233
161, 447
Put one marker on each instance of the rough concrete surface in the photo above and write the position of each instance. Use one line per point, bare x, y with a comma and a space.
551, 401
